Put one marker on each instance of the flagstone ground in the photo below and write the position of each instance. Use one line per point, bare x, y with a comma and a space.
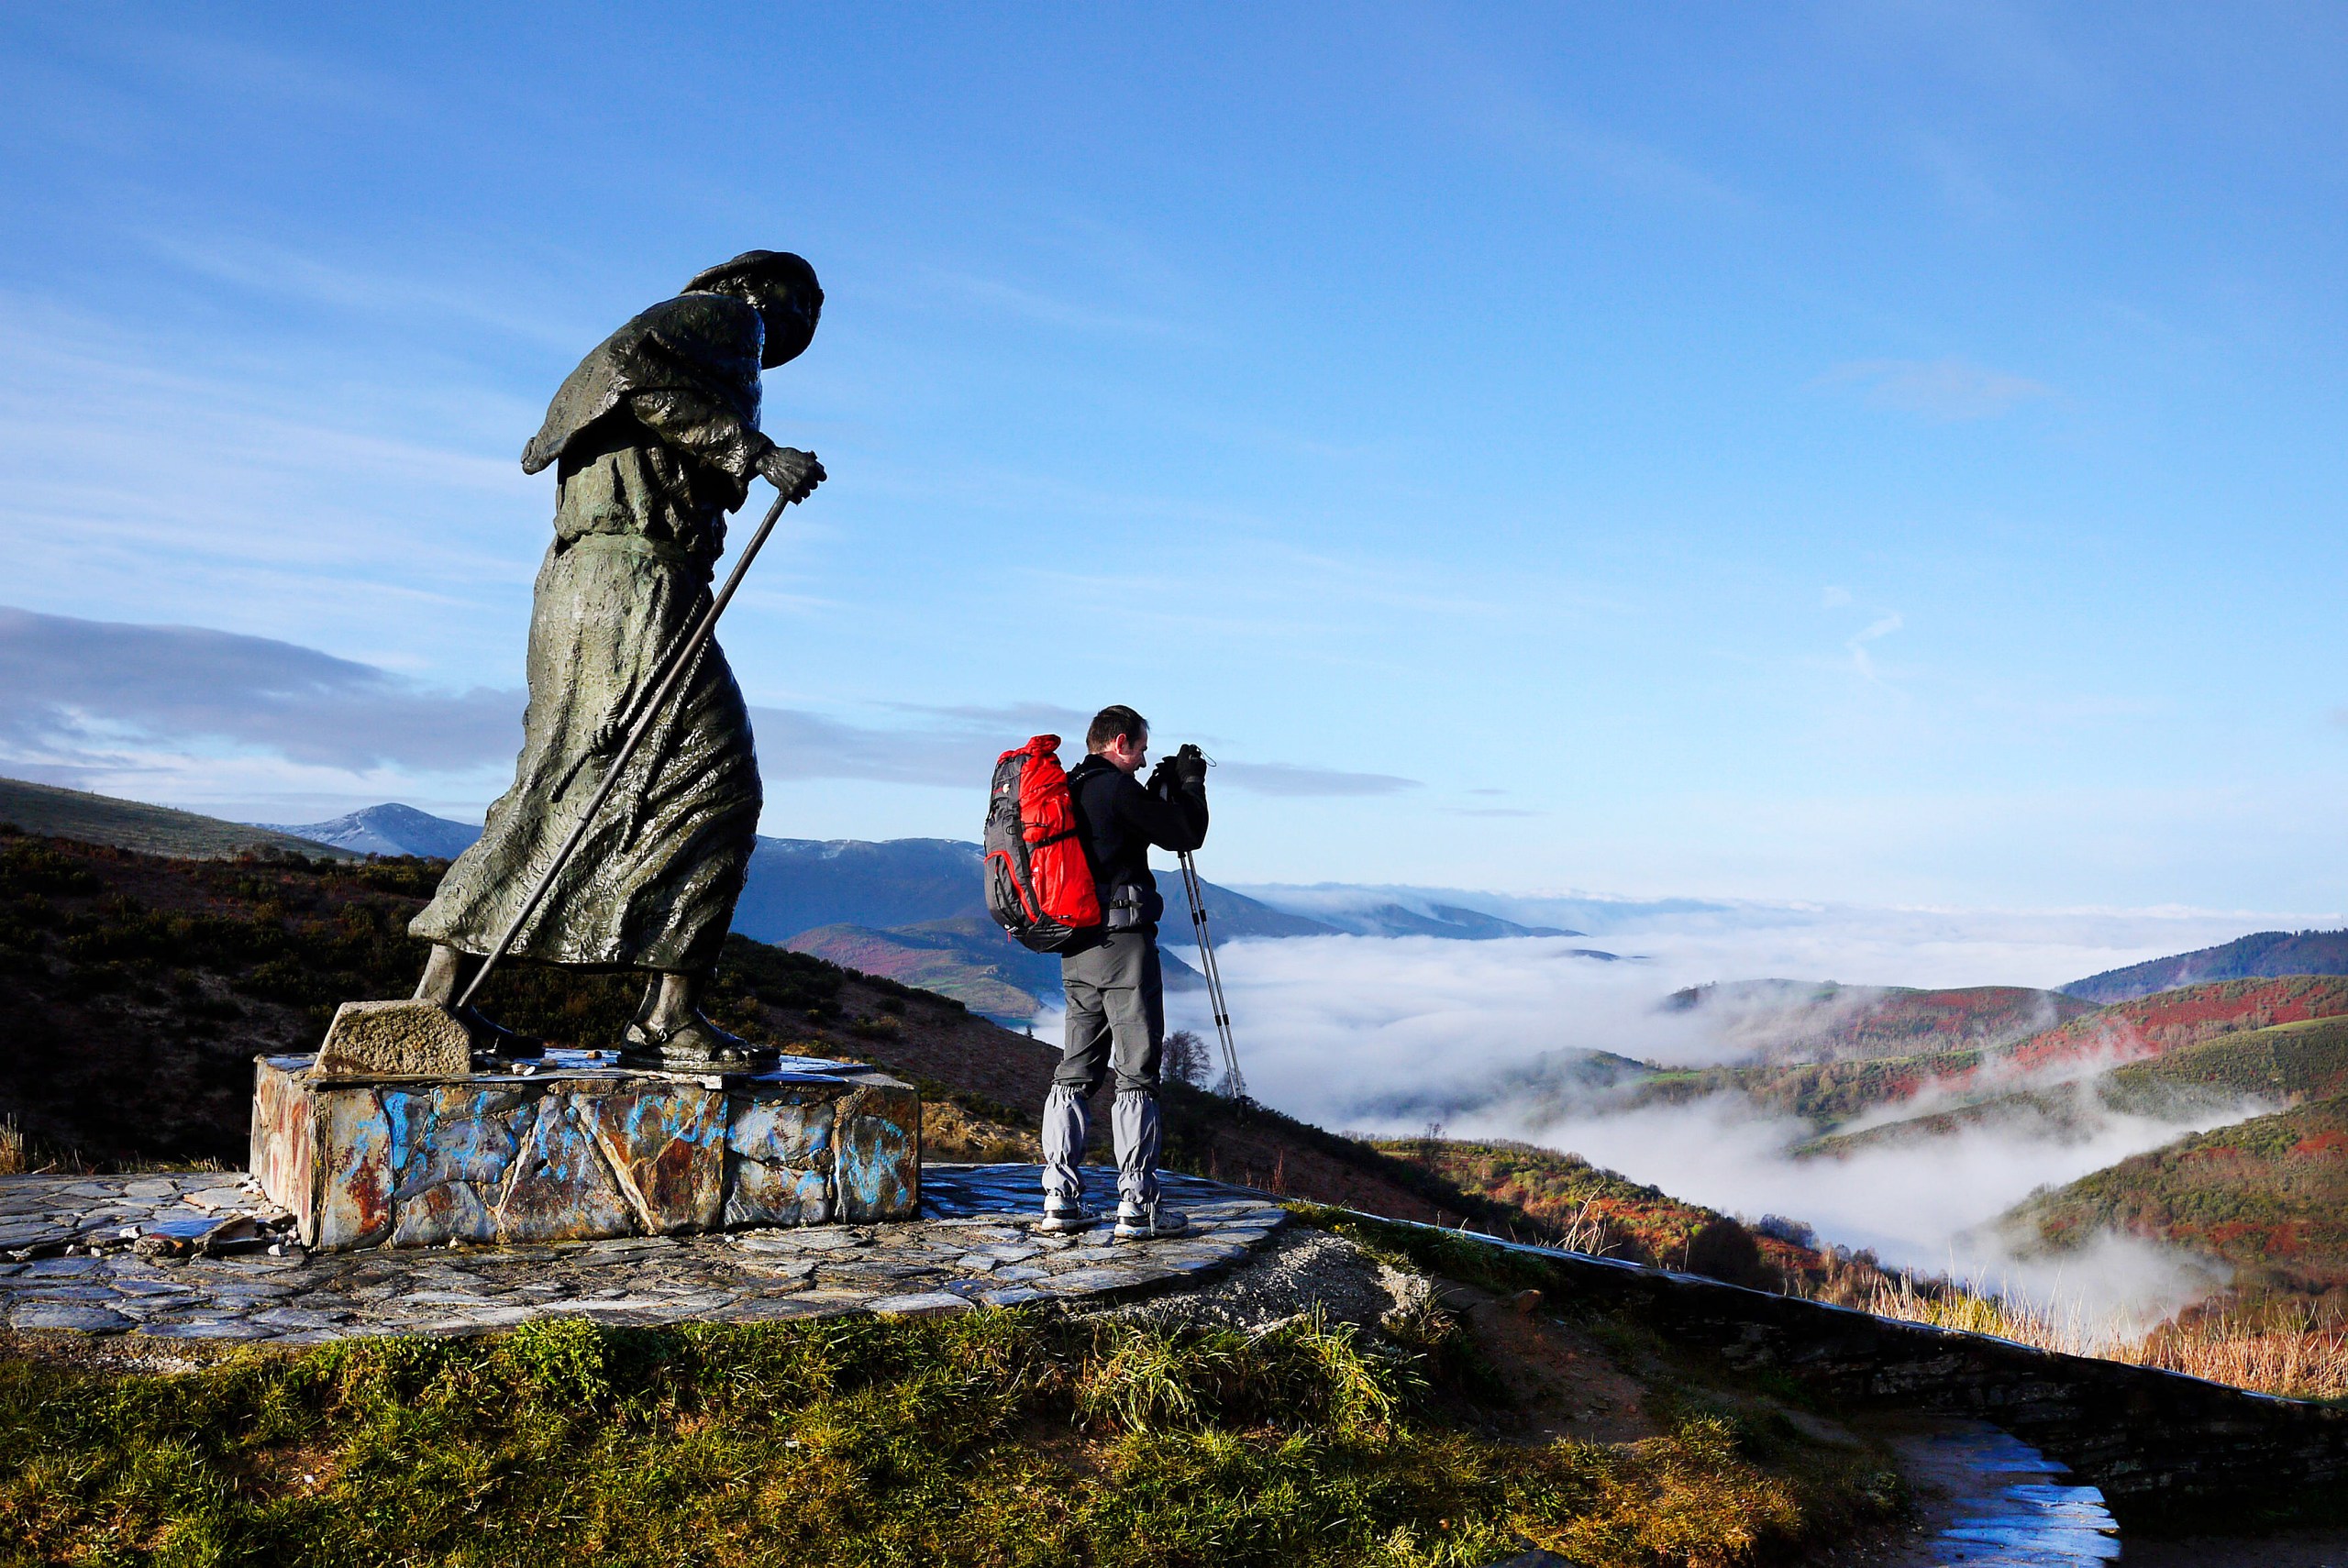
90, 1257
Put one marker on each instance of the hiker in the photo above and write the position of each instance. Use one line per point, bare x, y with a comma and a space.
1116, 1002
654, 439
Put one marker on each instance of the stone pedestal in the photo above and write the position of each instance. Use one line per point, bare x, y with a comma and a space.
580, 1150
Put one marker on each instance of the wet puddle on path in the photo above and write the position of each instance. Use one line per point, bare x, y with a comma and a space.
1992, 1501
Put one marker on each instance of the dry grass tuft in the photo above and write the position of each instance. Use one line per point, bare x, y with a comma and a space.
951, 1132
2298, 1352
2293, 1349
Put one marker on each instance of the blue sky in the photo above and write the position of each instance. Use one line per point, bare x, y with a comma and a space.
1878, 453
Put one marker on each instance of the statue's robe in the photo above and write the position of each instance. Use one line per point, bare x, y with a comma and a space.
655, 435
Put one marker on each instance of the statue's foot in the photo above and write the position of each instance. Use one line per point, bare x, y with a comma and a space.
494, 1040
695, 1045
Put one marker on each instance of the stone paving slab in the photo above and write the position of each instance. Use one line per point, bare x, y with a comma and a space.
63, 1272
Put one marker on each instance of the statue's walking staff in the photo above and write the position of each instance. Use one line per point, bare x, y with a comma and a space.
647, 710
425, 1037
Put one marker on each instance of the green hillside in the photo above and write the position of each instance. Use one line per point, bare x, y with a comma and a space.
1821, 1093
131, 824
1798, 1021
2269, 1195
1967, 1087
2286, 1064
968, 959
2263, 953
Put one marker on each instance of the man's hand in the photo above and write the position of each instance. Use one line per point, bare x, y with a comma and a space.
1190, 765
791, 472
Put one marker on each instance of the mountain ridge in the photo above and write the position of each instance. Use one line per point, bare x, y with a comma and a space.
88, 818
913, 909
2261, 954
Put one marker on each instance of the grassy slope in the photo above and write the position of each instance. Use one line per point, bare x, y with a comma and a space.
1594, 1210
996, 1438
1608, 1214
1821, 1093
2288, 1062
968, 959
2268, 1194
1785, 1021
1827, 1094
2283, 1064
2260, 954
131, 824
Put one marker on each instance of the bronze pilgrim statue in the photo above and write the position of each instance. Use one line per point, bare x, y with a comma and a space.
654, 439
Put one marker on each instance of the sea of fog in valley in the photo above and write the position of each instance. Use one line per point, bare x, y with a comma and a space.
1368, 1032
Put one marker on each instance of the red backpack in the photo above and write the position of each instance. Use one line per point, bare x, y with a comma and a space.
1039, 885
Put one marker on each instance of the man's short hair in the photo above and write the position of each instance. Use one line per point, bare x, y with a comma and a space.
1115, 721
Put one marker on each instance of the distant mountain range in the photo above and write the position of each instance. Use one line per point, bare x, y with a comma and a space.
389, 829
134, 824
911, 909
1391, 918
2261, 955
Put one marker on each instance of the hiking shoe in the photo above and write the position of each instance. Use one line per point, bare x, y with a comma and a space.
1147, 1221
1064, 1214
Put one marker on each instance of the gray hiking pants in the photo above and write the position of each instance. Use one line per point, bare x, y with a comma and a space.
1116, 1020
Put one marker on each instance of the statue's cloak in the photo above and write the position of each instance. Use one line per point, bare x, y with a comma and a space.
707, 344
653, 437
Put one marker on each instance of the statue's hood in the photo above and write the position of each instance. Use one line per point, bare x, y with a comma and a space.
702, 343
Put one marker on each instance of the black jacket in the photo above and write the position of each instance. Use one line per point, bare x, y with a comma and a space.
1118, 821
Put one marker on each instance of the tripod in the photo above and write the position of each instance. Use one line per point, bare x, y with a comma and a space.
1235, 1085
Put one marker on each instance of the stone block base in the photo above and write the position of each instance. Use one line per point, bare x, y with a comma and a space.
580, 1150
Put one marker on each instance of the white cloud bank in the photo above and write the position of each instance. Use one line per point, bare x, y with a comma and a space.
1349, 1032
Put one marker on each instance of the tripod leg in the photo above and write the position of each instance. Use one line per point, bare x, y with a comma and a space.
1195, 889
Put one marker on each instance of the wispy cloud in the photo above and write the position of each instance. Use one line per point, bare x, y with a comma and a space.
954, 747
1285, 779
1861, 660
93, 694
1010, 299
1487, 93
84, 701
1949, 389
282, 274
1962, 184
2006, 48
144, 477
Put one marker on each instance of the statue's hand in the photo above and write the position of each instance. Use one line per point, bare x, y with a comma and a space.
791, 472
